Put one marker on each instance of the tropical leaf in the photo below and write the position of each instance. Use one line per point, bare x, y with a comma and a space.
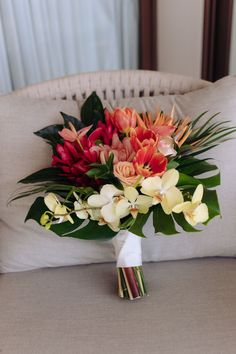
50, 134
92, 111
140, 221
46, 174
91, 231
162, 222
210, 182
78, 124
211, 200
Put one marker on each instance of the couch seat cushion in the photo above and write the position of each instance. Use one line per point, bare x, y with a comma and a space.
74, 310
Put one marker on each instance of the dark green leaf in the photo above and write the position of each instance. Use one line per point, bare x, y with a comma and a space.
94, 172
50, 133
210, 182
162, 222
36, 210
46, 174
73, 120
92, 111
92, 231
137, 227
172, 164
194, 167
66, 227
211, 200
196, 120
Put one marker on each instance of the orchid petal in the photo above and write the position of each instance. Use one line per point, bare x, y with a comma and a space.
61, 213
186, 206
122, 208
80, 213
150, 185
143, 209
172, 197
95, 214
114, 225
131, 194
144, 201
109, 191
197, 195
51, 201
201, 213
97, 200
109, 213
170, 179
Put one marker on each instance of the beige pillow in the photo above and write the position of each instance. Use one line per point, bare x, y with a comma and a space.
27, 246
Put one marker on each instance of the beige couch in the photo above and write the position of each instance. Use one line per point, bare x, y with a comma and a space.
191, 307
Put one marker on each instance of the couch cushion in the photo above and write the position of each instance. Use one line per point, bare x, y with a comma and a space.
27, 246
191, 309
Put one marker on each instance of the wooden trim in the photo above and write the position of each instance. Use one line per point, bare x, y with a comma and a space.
148, 34
216, 38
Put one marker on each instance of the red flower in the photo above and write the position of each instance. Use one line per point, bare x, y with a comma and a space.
74, 162
148, 162
141, 137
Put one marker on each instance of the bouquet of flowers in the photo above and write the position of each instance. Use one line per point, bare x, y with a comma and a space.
111, 170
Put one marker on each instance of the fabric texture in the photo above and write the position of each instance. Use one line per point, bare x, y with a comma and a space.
27, 246
191, 308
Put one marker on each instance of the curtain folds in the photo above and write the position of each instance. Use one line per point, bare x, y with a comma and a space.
44, 39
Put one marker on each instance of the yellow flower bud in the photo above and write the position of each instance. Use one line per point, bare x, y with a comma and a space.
44, 219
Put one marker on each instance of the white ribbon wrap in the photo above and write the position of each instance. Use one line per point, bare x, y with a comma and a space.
127, 249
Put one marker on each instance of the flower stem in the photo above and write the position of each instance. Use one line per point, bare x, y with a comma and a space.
131, 283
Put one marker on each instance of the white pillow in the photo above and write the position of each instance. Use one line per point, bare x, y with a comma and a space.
28, 246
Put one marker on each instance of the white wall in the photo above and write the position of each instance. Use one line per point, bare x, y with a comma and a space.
232, 65
180, 29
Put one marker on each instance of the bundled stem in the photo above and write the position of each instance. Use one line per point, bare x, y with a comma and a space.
131, 282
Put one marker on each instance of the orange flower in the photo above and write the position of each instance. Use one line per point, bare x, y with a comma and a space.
148, 162
162, 125
126, 173
124, 119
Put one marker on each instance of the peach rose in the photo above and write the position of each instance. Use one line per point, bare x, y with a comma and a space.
125, 172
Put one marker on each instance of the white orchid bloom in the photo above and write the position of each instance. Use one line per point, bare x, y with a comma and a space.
163, 190
133, 203
195, 211
80, 208
113, 225
60, 211
106, 200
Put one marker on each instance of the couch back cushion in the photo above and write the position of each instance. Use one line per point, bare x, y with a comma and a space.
25, 246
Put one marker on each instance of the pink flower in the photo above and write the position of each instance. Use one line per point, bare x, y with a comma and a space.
126, 173
73, 135
161, 126
122, 150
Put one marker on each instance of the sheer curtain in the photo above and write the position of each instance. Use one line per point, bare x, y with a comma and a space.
44, 39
